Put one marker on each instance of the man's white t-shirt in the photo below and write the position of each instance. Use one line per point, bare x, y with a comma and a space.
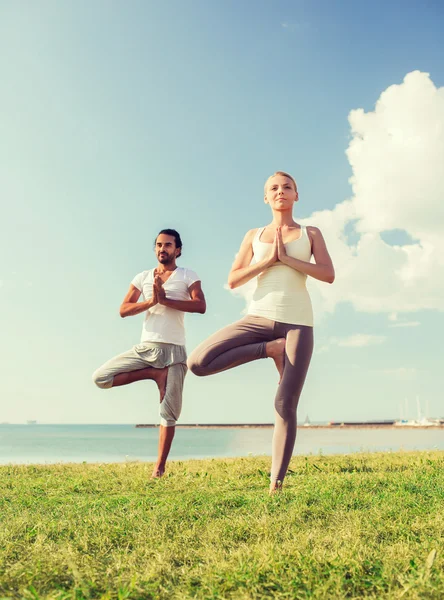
162, 323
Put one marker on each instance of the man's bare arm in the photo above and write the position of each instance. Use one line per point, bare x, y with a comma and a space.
130, 305
197, 304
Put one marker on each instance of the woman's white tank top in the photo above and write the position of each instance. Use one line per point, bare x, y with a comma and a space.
281, 293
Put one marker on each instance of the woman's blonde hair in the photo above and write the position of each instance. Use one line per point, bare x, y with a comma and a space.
284, 174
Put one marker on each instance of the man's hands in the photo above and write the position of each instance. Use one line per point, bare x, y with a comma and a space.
196, 304
154, 298
158, 290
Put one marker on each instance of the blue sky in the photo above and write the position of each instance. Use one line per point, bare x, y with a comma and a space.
118, 119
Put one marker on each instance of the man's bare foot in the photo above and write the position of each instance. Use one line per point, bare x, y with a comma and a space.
158, 472
276, 351
275, 487
160, 378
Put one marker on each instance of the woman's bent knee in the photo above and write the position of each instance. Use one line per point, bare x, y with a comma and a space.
196, 368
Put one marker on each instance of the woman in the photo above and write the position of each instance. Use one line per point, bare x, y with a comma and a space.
279, 321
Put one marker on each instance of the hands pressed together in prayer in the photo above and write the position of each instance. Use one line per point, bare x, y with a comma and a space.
158, 290
278, 252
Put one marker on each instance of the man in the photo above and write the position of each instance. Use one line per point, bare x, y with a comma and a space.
168, 291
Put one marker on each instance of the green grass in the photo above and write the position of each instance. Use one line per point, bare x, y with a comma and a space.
345, 527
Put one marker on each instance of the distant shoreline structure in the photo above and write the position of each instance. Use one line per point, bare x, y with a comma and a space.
387, 424
213, 425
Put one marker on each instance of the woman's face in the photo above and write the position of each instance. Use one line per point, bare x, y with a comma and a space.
280, 193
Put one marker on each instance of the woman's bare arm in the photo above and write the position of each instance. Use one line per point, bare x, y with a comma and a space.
241, 270
322, 269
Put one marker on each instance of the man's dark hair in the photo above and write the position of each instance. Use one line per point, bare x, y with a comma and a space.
173, 233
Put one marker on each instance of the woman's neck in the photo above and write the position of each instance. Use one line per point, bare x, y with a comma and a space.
283, 219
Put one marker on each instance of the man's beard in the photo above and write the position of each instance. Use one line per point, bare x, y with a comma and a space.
165, 259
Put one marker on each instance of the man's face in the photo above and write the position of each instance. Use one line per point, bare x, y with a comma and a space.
165, 249
280, 194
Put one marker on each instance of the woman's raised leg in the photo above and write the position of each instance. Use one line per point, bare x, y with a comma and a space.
239, 343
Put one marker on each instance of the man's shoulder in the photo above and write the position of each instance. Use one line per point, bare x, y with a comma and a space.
186, 274
144, 275
185, 270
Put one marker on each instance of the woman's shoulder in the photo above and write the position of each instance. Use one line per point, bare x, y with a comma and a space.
251, 234
312, 230
314, 235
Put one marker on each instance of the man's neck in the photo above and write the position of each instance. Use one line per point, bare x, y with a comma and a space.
166, 268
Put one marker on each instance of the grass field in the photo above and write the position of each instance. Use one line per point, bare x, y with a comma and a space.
365, 525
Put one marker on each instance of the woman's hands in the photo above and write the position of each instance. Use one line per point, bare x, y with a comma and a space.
273, 255
243, 269
277, 251
281, 252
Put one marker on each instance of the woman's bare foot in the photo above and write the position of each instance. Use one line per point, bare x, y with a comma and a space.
275, 487
158, 471
276, 351
160, 377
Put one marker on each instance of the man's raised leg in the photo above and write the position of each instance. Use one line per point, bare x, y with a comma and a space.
127, 368
157, 375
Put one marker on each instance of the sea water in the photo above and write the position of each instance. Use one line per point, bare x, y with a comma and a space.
32, 444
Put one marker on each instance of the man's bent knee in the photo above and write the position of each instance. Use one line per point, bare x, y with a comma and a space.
168, 422
101, 380
167, 418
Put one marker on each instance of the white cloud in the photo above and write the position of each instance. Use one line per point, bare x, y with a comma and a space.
358, 340
403, 373
245, 291
397, 155
299, 26
394, 322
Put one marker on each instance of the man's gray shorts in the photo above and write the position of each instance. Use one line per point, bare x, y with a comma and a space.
157, 355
